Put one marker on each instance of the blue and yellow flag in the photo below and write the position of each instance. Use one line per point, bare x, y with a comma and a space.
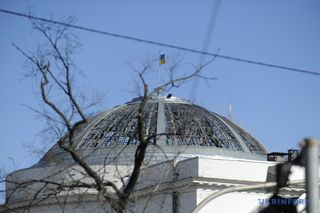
162, 59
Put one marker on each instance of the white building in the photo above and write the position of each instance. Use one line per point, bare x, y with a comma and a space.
197, 154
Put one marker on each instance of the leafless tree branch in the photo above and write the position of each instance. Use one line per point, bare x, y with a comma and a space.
52, 77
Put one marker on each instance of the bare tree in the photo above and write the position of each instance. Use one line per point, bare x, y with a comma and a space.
65, 111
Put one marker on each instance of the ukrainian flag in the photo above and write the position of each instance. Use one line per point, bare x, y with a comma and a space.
162, 59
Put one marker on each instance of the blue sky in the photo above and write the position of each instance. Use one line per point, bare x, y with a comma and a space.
278, 107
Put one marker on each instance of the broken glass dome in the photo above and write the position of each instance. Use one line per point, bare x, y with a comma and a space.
175, 128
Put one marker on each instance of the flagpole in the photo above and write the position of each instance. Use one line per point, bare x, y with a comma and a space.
161, 61
159, 78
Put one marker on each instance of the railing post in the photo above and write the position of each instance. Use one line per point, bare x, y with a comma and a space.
312, 175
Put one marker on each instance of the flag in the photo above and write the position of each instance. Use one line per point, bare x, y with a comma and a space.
162, 59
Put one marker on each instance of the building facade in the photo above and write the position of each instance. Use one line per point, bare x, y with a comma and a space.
192, 153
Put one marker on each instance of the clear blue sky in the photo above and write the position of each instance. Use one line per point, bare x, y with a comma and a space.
278, 107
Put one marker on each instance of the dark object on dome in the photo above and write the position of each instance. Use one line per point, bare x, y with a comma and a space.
169, 95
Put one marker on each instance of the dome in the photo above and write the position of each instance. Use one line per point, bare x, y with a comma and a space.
177, 129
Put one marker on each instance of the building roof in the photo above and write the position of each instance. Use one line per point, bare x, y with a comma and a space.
175, 126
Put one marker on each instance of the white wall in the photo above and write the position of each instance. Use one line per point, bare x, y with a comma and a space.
233, 202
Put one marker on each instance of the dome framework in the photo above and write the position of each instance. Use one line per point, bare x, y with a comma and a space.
176, 128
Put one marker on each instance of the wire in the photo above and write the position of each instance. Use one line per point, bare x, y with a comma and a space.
263, 186
206, 43
162, 44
